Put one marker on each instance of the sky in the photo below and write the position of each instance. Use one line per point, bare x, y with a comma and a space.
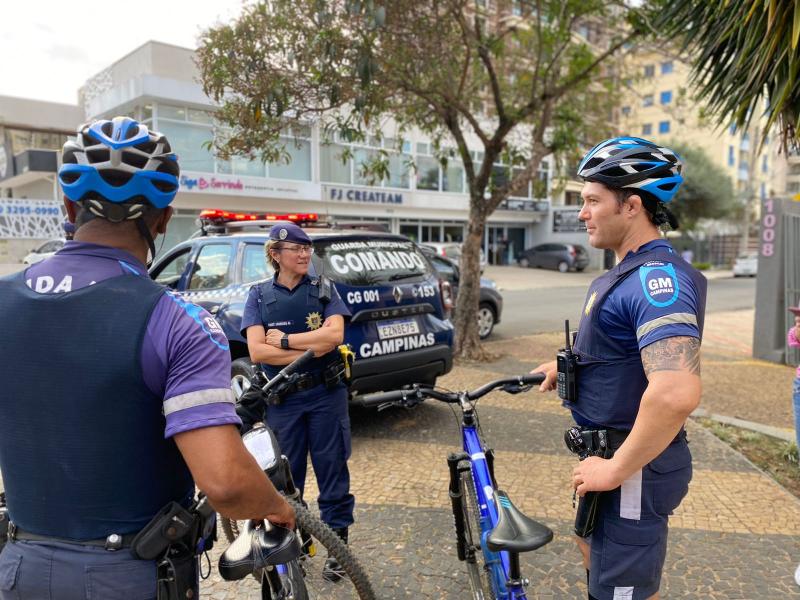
50, 48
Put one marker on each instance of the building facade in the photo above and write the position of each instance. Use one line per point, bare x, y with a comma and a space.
422, 198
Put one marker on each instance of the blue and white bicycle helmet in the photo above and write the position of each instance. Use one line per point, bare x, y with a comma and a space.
115, 167
634, 163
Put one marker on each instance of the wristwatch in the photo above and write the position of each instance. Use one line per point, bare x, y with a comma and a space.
285, 342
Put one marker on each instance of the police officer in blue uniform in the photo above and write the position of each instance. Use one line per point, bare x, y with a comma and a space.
638, 367
116, 394
283, 317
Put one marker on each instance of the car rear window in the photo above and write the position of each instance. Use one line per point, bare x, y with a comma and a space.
368, 261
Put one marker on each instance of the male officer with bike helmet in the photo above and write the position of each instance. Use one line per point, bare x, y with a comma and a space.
116, 395
635, 376
283, 317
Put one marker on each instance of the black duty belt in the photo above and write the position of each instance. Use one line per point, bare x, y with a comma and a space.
306, 381
616, 437
114, 541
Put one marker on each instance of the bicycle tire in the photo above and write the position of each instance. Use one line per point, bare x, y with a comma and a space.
476, 560
356, 585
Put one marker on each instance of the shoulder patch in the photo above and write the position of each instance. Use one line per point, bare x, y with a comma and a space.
659, 283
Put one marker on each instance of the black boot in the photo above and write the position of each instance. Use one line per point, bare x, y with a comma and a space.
332, 570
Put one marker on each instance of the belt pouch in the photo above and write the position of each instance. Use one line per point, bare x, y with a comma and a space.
586, 515
177, 577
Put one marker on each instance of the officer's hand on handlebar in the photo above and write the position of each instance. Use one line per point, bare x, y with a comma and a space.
551, 374
283, 515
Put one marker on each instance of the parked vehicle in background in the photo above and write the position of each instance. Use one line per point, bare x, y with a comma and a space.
46, 250
746, 265
562, 257
399, 328
490, 307
451, 250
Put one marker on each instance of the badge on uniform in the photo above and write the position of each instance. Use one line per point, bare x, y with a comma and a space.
659, 283
282, 234
590, 303
314, 320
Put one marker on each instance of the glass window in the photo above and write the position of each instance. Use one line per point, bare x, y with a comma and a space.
731, 156
254, 264
331, 167
647, 100
211, 269
410, 231
453, 177
454, 233
444, 268
666, 97
241, 165
764, 165
362, 157
647, 129
499, 175
147, 112
200, 116
299, 168
169, 272
427, 173
626, 110
370, 261
422, 148
666, 67
649, 70
168, 111
663, 127
187, 142
398, 171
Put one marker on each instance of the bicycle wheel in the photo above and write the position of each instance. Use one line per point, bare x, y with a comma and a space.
305, 575
476, 561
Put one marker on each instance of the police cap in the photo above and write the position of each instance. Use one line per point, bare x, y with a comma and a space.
289, 232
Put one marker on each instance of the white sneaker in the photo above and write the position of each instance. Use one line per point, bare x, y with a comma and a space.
797, 575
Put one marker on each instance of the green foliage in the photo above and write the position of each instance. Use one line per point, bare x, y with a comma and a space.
741, 52
701, 266
707, 191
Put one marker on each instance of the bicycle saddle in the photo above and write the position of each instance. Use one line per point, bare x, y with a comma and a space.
257, 546
514, 531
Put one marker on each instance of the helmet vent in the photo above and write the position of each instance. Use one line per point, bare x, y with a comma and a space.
98, 156
615, 171
89, 140
168, 166
667, 187
164, 186
68, 178
107, 128
136, 160
146, 147
593, 162
115, 178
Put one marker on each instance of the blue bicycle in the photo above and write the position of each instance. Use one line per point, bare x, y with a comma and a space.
490, 531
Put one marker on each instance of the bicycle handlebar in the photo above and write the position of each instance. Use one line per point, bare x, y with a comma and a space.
289, 369
417, 394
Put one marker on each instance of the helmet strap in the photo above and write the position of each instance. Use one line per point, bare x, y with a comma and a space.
145, 233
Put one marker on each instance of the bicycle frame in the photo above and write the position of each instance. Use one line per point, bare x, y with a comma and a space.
498, 561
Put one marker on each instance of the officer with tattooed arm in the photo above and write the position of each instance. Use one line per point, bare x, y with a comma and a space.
633, 375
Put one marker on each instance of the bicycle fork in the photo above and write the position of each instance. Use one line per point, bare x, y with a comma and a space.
457, 502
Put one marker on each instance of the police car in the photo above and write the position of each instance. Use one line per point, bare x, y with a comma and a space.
400, 327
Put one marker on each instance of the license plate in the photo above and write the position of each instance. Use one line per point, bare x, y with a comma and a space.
397, 328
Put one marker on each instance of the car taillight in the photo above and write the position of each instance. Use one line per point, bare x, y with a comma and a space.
572, 251
446, 291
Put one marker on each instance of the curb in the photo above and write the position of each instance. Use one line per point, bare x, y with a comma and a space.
780, 433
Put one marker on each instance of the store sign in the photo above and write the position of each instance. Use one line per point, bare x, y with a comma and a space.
566, 221
35, 219
235, 185
369, 196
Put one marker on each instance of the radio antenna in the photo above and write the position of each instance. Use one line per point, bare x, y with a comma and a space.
566, 332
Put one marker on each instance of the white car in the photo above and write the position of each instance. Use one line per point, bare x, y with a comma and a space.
46, 250
746, 265
451, 250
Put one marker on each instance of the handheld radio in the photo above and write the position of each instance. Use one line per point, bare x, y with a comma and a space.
567, 367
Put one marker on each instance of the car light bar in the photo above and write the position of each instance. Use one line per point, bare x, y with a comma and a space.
223, 216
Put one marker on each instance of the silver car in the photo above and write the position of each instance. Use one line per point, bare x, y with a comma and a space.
46, 250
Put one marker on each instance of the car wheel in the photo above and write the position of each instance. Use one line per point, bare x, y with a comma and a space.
242, 371
579, 269
486, 319
524, 263
563, 267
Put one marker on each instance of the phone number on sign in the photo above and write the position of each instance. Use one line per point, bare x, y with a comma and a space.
30, 210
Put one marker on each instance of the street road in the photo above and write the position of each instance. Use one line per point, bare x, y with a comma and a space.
541, 310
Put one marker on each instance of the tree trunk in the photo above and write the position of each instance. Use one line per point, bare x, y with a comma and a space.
468, 344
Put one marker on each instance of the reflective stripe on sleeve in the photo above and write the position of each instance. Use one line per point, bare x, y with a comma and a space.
673, 319
198, 398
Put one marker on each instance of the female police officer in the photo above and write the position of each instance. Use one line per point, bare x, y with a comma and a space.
284, 317
638, 366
